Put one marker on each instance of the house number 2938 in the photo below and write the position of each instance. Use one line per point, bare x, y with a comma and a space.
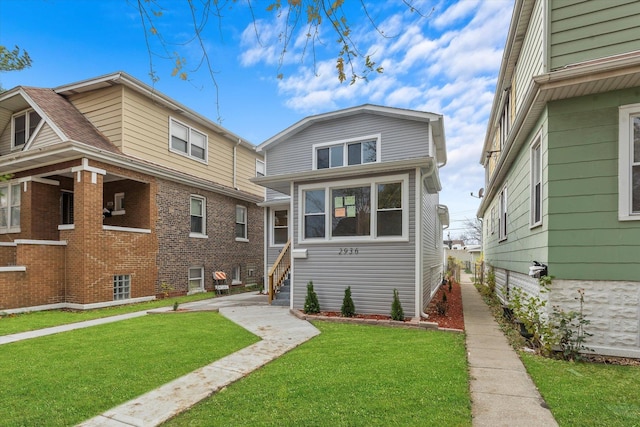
348, 251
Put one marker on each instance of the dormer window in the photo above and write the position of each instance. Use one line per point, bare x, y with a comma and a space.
24, 126
346, 153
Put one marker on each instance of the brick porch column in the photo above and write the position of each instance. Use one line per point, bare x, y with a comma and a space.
87, 280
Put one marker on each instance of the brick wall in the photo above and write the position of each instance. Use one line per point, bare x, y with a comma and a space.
219, 252
41, 284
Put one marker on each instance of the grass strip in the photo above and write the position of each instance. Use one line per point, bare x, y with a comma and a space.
64, 379
587, 394
30, 321
350, 375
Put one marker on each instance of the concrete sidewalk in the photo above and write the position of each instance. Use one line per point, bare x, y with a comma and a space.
280, 332
502, 393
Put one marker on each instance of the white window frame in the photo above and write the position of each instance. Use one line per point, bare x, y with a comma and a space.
118, 204
273, 227
625, 162
27, 127
244, 238
6, 190
121, 287
260, 168
535, 178
373, 183
503, 206
192, 278
190, 132
196, 234
345, 150
236, 275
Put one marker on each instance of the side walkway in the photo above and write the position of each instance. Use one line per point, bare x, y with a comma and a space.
280, 332
502, 393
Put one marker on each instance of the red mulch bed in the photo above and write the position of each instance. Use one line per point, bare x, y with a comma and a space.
453, 318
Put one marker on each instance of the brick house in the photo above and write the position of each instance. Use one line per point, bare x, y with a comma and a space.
120, 194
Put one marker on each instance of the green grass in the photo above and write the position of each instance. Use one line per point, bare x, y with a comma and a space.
587, 394
350, 375
64, 379
16, 323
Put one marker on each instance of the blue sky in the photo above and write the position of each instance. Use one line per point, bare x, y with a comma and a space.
446, 62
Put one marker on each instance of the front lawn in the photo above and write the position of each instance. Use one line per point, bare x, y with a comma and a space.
350, 375
64, 379
30, 321
587, 394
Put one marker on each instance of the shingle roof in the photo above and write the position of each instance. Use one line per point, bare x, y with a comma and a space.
68, 119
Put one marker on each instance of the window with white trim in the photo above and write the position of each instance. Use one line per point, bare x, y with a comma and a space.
236, 278
196, 279
346, 153
259, 168
118, 203
198, 209
536, 183
24, 125
121, 287
10, 208
502, 214
280, 221
187, 141
241, 223
358, 209
629, 162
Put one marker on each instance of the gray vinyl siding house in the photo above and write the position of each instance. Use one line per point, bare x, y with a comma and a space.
355, 192
560, 155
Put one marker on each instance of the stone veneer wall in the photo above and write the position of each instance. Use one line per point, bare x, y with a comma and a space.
220, 251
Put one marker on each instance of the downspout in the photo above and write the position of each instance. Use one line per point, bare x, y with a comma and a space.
427, 174
235, 164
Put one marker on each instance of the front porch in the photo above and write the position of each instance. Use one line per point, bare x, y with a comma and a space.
84, 236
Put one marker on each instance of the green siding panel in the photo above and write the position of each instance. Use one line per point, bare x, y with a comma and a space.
582, 31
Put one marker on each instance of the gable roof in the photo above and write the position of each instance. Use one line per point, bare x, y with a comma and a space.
66, 120
122, 78
435, 121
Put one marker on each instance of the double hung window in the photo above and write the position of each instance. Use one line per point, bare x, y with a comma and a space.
536, 183
241, 223
197, 207
502, 219
360, 209
629, 163
24, 126
187, 141
346, 153
10, 208
196, 279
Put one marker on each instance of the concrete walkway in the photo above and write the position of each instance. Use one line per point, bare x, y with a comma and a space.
502, 394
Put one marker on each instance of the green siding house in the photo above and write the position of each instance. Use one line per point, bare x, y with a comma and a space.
562, 162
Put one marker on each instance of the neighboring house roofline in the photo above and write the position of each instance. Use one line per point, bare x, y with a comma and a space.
281, 183
122, 78
435, 119
71, 150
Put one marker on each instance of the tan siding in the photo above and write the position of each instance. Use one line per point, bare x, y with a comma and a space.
146, 136
5, 136
246, 169
45, 137
103, 108
530, 61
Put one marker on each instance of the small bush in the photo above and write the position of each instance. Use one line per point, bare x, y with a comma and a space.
442, 306
311, 304
396, 307
348, 308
